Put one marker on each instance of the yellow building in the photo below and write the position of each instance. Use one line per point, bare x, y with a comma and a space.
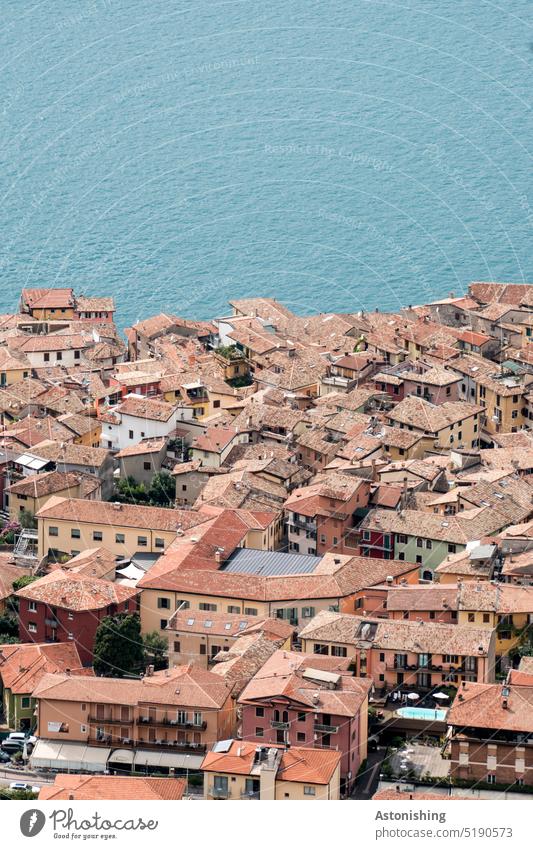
505, 607
72, 525
239, 770
12, 369
32, 492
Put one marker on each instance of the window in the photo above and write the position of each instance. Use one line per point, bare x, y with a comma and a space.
120, 538
220, 784
203, 649
130, 433
53, 532
259, 732
401, 555
233, 608
486, 617
159, 543
402, 538
32, 607
450, 658
491, 779
197, 718
308, 612
177, 646
32, 627
163, 624
339, 651
419, 542
46, 358
250, 611
59, 355
429, 544
382, 657
147, 466
142, 541
216, 404
76, 355
359, 602
98, 536
205, 606
70, 617
163, 603
419, 558
302, 716
471, 617
75, 533
320, 648
309, 790
452, 548
25, 702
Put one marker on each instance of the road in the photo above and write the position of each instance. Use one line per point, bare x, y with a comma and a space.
367, 782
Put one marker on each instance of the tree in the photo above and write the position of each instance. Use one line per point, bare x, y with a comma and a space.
118, 646
18, 584
128, 491
27, 519
162, 490
9, 627
155, 650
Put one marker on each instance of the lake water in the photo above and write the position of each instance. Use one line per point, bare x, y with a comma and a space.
331, 154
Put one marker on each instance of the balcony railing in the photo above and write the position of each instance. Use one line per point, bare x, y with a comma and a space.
153, 745
283, 726
172, 723
110, 720
326, 729
250, 794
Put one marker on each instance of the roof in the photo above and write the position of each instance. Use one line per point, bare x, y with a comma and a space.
46, 483
431, 418
249, 561
312, 766
22, 665
398, 634
9, 573
76, 591
180, 686
226, 624
120, 515
150, 445
146, 408
48, 298
486, 706
113, 787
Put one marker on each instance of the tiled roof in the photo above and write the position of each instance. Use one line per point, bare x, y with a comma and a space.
123, 515
46, 483
113, 787
23, 665
484, 706
312, 766
146, 408
398, 634
76, 591
431, 418
150, 445
9, 573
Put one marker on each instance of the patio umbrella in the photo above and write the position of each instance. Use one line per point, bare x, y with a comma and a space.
413, 696
442, 696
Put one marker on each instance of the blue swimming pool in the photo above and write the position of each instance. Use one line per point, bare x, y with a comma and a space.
426, 714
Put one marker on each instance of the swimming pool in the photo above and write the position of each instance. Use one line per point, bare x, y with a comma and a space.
426, 714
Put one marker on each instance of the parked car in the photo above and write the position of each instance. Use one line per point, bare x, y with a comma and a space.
20, 785
4, 757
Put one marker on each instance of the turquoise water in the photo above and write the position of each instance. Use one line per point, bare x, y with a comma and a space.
427, 714
331, 154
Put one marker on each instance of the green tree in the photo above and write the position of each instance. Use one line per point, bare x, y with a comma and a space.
18, 584
155, 650
162, 490
27, 519
9, 626
128, 491
6, 793
118, 646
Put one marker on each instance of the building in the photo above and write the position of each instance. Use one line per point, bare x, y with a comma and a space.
239, 770
66, 606
183, 710
143, 460
299, 699
73, 524
31, 493
490, 734
402, 654
22, 665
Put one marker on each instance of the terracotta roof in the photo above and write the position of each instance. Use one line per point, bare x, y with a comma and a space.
76, 591
9, 573
23, 665
47, 298
149, 445
312, 766
39, 485
111, 787
71, 453
146, 408
431, 418
116, 514
99, 304
398, 634
484, 706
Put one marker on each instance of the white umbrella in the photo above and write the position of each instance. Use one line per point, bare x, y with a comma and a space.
413, 696
442, 696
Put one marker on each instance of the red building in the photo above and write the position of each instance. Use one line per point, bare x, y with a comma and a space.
67, 606
309, 701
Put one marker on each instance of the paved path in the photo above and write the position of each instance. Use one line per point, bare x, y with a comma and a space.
368, 781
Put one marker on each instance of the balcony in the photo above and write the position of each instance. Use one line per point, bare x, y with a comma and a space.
326, 729
172, 723
282, 726
110, 720
250, 794
152, 745
304, 524
52, 623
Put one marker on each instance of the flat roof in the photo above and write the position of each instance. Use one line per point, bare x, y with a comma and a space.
251, 561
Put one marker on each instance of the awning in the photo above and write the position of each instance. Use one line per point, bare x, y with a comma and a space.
74, 757
167, 760
121, 756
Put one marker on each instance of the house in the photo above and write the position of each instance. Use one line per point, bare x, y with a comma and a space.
13, 368
138, 418
70, 457
182, 710
446, 425
299, 699
322, 515
113, 788
237, 770
46, 304
66, 605
31, 493
490, 734
199, 637
399, 654
22, 666
73, 524
213, 446
144, 459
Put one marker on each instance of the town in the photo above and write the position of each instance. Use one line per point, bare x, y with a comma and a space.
267, 556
